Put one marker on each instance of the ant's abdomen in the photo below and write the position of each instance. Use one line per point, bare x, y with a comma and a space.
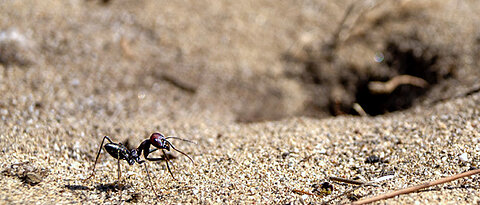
117, 151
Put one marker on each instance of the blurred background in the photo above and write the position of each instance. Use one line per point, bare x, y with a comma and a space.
234, 61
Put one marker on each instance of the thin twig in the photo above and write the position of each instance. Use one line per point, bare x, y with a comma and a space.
377, 87
305, 192
179, 84
360, 18
418, 187
348, 181
358, 108
356, 182
341, 26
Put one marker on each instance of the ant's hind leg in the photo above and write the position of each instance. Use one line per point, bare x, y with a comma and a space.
149, 179
119, 183
96, 159
119, 168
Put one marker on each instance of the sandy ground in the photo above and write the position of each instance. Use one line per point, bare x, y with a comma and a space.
217, 73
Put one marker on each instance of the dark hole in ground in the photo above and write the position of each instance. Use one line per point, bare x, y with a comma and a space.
336, 86
376, 104
416, 61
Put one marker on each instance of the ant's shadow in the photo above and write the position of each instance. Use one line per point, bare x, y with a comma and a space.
76, 187
113, 187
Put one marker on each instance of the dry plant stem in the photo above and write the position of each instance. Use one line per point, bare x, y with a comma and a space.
378, 87
180, 84
350, 34
304, 192
341, 25
358, 19
418, 187
358, 108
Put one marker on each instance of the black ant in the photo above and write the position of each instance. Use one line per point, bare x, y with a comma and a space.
121, 152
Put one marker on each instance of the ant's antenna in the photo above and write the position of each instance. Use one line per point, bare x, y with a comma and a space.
171, 145
178, 138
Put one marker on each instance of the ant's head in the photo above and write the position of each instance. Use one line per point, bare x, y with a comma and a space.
159, 141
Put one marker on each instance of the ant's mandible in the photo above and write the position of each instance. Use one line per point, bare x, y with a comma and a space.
121, 152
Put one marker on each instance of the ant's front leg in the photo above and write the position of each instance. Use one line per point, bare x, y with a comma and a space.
145, 146
165, 157
98, 154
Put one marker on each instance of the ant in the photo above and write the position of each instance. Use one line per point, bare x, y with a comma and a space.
121, 152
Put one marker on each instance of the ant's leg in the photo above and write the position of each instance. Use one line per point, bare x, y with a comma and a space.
119, 184
148, 173
166, 161
149, 179
119, 169
98, 154
165, 157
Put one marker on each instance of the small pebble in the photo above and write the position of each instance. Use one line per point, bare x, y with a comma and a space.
464, 157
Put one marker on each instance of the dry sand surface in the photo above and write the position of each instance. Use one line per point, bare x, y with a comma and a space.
270, 91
